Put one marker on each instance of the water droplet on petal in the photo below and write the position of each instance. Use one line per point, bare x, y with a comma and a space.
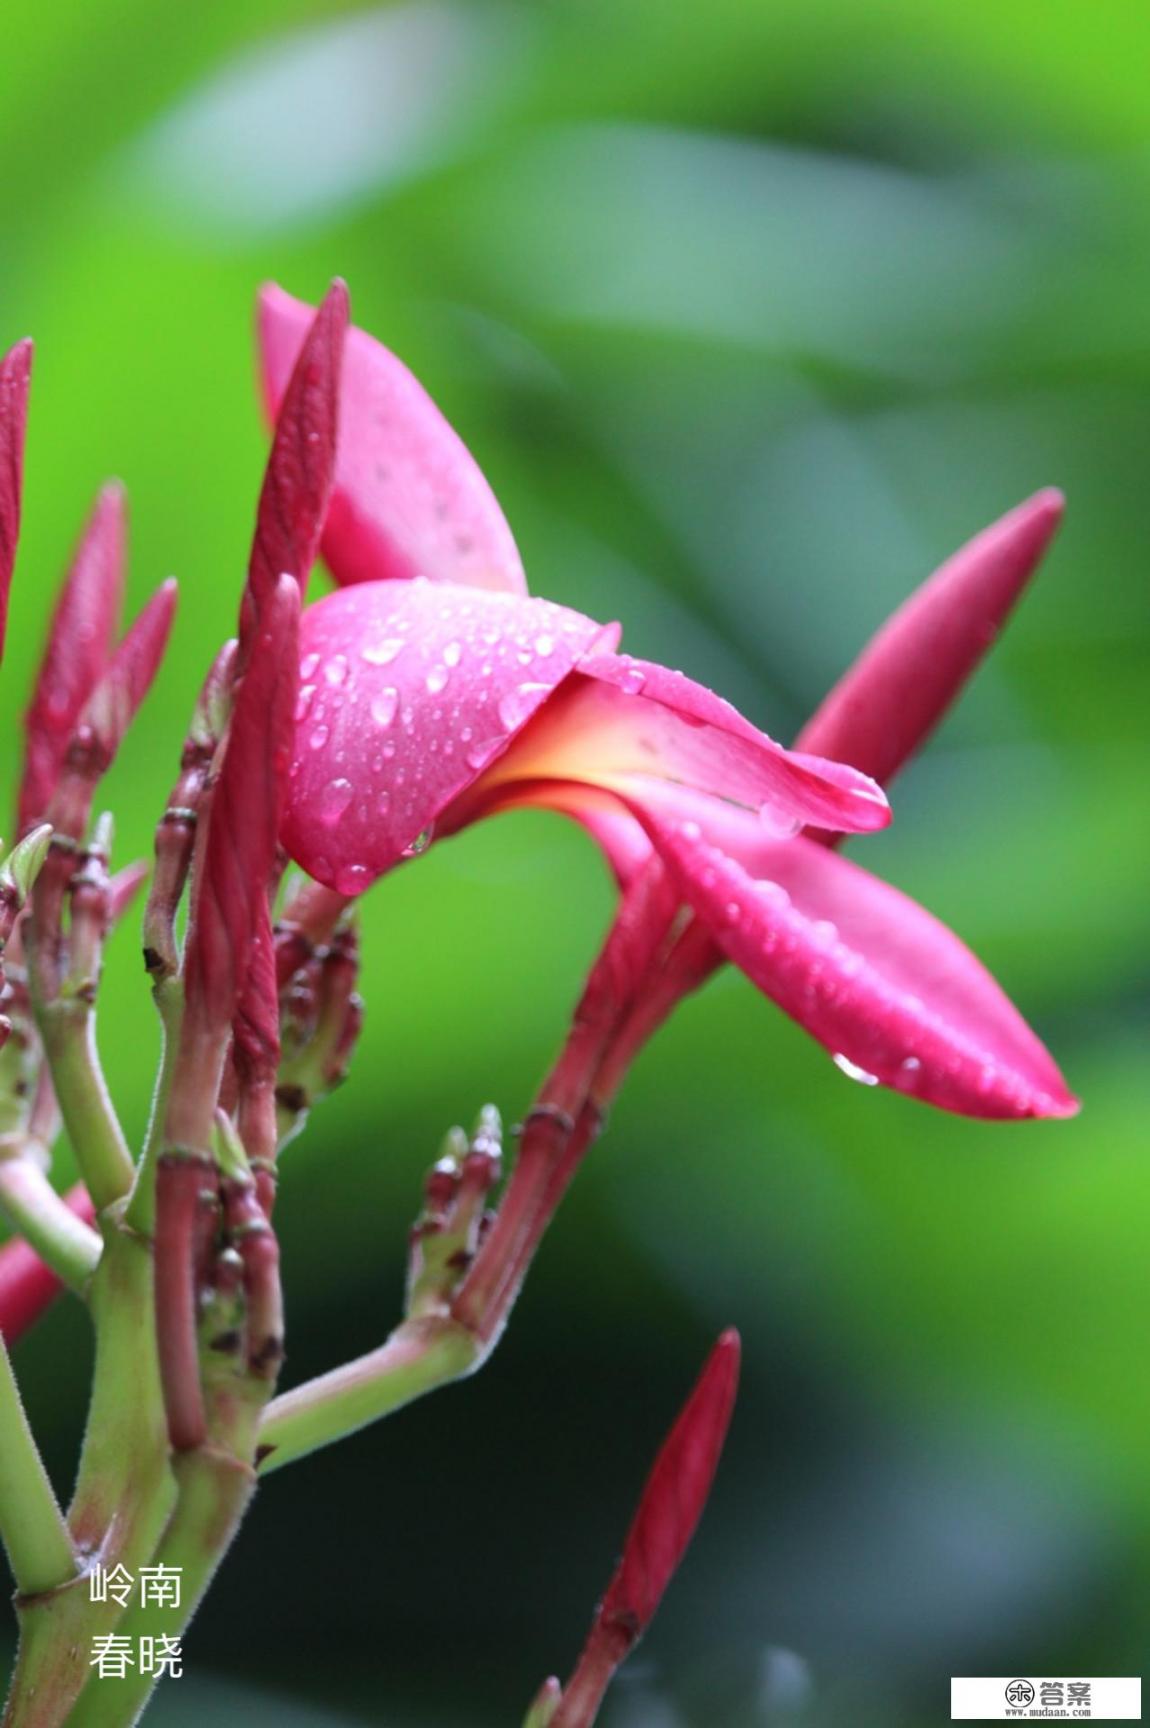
436, 679
480, 755
336, 669
420, 844
544, 645
452, 654
307, 666
383, 653
907, 1077
303, 700
823, 933
318, 737
352, 879
333, 801
384, 705
633, 680
854, 1072
516, 705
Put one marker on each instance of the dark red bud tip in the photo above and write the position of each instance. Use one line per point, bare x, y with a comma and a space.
15, 373
891, 699
301, 466
675, 1493
116, 699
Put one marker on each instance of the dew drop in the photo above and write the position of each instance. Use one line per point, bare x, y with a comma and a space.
333, 801
907, 1077
352, 879
515, 706
303, 700
307, 666
854, 1072
544, 645
420, 844
452, 654
336, 669
383, 653
384, 705
436, 679
633, 680
318, 737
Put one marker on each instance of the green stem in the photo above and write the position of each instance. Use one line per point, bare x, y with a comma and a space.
169, 999
419, 1356
69, 1036
68, 1245
31, 1523
214, 1491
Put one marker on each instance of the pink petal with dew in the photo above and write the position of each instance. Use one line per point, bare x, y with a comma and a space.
409, 498
907, 676
633, 728
408, 692
889, 990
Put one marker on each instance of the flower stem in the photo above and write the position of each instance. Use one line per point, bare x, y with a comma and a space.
419, 1356
63, 1241
67, 1029
34, 1532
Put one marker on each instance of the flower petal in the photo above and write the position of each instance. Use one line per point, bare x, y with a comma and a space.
636, 728
409, 499
869, 973
301, 464
15, 371
79, 646
907, 676
408, 692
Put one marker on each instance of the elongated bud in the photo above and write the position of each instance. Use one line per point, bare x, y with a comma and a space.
80, 639
890, 700
15, 371
124, 887
671, 1505
176, 829
544, 1705
110, 710
243, 818
297, 484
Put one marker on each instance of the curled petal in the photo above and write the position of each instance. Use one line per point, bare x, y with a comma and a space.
409, 499
889, 990
114, 702
638, 729
80, 640
301, 467
408, 692
15, 372
244, 814
908, 675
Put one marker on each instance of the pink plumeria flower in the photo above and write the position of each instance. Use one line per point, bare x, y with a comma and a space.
434, 691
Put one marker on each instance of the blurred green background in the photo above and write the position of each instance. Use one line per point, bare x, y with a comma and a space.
752, 313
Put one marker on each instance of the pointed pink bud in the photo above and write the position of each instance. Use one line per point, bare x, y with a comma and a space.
301, 467
672, 1503
890, 991
124, 887
891, 699
15, 372
27, 1286
408, 691
116, 700
79, 644
245, 808
409, 499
